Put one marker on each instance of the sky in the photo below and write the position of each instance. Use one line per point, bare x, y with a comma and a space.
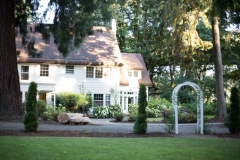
42, 8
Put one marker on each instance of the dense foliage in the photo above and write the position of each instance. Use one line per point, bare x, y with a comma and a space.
140, 125
30, 118
111, 111
41, 107
52, 113
73, 102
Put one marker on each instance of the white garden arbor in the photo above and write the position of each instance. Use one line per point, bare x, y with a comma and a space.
199, 105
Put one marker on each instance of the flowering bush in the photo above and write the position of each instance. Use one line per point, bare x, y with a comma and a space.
113, 110
133, 110
52, 113
158, 103
152, 112
100, 112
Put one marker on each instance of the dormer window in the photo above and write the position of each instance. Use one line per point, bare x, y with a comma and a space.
129, 73
133, 73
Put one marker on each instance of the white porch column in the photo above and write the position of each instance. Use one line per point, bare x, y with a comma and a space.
147, 93
54, 99
23, 96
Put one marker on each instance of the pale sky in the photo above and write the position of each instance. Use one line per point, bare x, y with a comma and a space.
42, 8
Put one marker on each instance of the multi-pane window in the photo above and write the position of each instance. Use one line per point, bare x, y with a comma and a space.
24, 72
94, 72
98, 99
98, 72
69, 69
89, 72
129, 73
136, 100
135, 73
44, 70
107, 99
132, 73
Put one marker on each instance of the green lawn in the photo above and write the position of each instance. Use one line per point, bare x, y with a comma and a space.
54, 148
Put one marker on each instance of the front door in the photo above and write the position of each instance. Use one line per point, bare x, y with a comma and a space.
42, 96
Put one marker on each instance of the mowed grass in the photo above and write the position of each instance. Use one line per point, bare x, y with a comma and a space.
54, 148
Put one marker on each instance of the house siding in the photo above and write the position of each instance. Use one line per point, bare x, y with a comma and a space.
60, 81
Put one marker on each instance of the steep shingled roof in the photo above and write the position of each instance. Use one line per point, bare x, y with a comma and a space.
134, 61
99, 49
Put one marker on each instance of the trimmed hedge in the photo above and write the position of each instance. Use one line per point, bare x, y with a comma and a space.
30, 117
140, 126
233, 121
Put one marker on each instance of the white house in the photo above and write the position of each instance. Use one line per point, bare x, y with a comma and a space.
97, 66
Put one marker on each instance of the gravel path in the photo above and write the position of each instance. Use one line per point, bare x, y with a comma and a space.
104, 125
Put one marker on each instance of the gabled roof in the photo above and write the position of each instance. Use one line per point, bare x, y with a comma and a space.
134, 61
101, 48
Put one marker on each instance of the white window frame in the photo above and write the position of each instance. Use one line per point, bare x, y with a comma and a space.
24, 74
129, 73
96, 72
107, 99
44, 70
135, 73
98, 99
90, 73
70, 69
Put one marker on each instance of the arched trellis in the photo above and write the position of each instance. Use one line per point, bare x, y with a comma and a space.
199, 105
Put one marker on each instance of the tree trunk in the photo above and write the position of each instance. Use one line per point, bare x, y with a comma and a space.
221, 105
172, 70
10, 95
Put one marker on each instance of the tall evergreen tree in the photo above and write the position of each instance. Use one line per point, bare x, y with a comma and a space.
140, 126
30, 118
233, 120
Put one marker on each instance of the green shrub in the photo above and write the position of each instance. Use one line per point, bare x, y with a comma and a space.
100, 112
140, 125
133, 111
169, 121
152, 112
84, 103
190, 107
210, 108
131, 118
187, 118
73, 102
233, 120
113, 110
68, 100
46, 116
52, 113
158, 103
30, 117
41, 107
119, 116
